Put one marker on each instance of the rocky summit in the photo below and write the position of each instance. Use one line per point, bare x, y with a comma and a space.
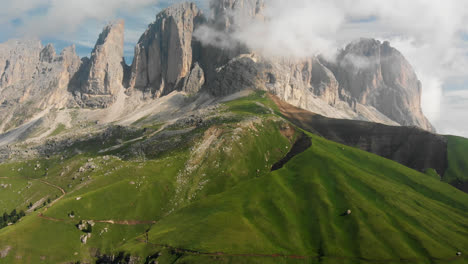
369, 80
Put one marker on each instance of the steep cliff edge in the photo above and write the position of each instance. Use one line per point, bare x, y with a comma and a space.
101, 77
33, 79
376, 74
369, 81
163, 55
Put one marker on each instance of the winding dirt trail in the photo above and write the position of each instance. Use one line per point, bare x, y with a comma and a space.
113, 222
53, 202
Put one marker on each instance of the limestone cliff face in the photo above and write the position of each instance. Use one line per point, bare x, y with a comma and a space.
102, 76
17, 60
369, 81
229, 14
33, 78
375, 74
164, 55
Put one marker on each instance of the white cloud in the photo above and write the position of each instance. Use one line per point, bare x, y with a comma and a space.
454, 110
65, 16
430, 34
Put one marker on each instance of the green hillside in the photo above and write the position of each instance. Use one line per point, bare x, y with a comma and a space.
457, 172
206, 194
397, 213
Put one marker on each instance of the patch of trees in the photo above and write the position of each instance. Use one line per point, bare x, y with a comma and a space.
11, 218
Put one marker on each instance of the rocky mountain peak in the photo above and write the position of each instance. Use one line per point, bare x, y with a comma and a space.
17, 60
163, 55
370, 80
376, 74
48, 53
102, 76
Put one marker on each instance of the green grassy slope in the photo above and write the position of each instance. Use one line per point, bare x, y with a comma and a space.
397, 213
457, 171
215, 200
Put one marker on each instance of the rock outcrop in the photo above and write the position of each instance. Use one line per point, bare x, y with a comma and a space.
102, 76
33, 78
229, 14
164, 55
376, 74
369, 81
18, 59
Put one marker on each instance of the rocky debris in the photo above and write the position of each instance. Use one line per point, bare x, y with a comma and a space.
104, 230
47, 54
195, 80
101, 77
85, 226
4, 252
84, 238
348, 212
164, 56
4, 186
87, 167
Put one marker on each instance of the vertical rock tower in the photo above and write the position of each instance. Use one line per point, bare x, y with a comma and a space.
164, 55
101, 77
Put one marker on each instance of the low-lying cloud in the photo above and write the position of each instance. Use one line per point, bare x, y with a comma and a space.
432, 35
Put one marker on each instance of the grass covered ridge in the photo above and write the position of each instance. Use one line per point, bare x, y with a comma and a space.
212, 196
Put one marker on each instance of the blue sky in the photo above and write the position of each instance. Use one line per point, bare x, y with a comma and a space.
431, 34
84, 33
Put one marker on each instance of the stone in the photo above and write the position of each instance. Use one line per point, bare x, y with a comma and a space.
102, 76
47, 54
195, 80
375, 74
35, 76
84, 238
164, 56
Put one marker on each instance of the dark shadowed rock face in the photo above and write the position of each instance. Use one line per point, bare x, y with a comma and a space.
163, 56
375, 74
410, 146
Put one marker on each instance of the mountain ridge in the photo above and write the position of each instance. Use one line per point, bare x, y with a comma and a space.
178, 61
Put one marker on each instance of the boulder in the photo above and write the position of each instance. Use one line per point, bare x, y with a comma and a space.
84, 238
